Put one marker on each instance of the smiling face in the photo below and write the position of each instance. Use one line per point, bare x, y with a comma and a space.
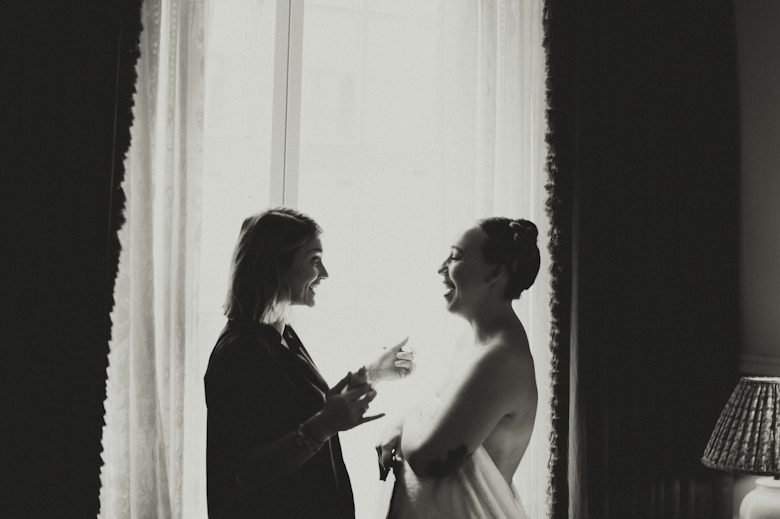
466, 273
306, 272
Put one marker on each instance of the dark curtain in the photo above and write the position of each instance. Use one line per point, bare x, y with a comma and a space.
644, 184
67, 69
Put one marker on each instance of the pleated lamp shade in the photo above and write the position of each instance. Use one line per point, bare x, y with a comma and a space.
746, 439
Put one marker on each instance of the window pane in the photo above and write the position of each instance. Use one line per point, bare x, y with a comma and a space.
237, 140
236, 174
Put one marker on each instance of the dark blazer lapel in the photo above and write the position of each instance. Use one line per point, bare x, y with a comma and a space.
298, 369
313, 374
272, 343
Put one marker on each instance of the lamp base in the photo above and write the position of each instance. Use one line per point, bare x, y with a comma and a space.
763, 502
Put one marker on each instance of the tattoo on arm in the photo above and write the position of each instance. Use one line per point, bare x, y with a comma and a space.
455, 458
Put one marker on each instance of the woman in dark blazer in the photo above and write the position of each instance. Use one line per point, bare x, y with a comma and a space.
273, 450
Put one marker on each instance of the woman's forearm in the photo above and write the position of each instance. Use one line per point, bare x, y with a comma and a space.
272, 461
412, 431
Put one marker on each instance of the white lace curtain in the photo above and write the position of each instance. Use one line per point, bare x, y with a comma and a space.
488, 149
150, 468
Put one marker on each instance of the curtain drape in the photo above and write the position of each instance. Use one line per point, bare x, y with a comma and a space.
644, 142
68, 73
561, 167
150, 470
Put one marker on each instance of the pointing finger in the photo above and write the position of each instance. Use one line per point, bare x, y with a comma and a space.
399, 345
366, 419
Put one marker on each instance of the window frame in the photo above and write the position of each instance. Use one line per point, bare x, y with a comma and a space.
286, 123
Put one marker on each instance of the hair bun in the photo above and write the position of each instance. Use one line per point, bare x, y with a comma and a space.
525, 239
512, 243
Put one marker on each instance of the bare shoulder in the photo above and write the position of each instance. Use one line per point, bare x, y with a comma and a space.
508, 363
509, 354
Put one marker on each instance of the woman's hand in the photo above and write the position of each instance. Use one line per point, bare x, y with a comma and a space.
393, 364
388, 448
345, 407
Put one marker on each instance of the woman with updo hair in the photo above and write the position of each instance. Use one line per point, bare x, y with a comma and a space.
272, 448
454, 456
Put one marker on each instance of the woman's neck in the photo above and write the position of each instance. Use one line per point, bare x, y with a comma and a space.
276, 316
279, 325
491, 320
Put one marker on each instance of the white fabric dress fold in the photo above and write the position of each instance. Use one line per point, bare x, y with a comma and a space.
477, 490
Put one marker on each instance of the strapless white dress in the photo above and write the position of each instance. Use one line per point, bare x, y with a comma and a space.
476, 490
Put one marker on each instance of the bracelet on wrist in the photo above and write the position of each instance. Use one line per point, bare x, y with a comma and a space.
305, 439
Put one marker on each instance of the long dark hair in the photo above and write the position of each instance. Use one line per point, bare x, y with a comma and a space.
512, 243
262, 258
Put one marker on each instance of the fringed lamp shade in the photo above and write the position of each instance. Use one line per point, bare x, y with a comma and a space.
746, 439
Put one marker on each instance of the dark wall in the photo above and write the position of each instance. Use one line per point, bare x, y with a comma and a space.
67, 69
758, 37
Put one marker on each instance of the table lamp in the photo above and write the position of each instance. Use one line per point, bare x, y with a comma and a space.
746, 440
